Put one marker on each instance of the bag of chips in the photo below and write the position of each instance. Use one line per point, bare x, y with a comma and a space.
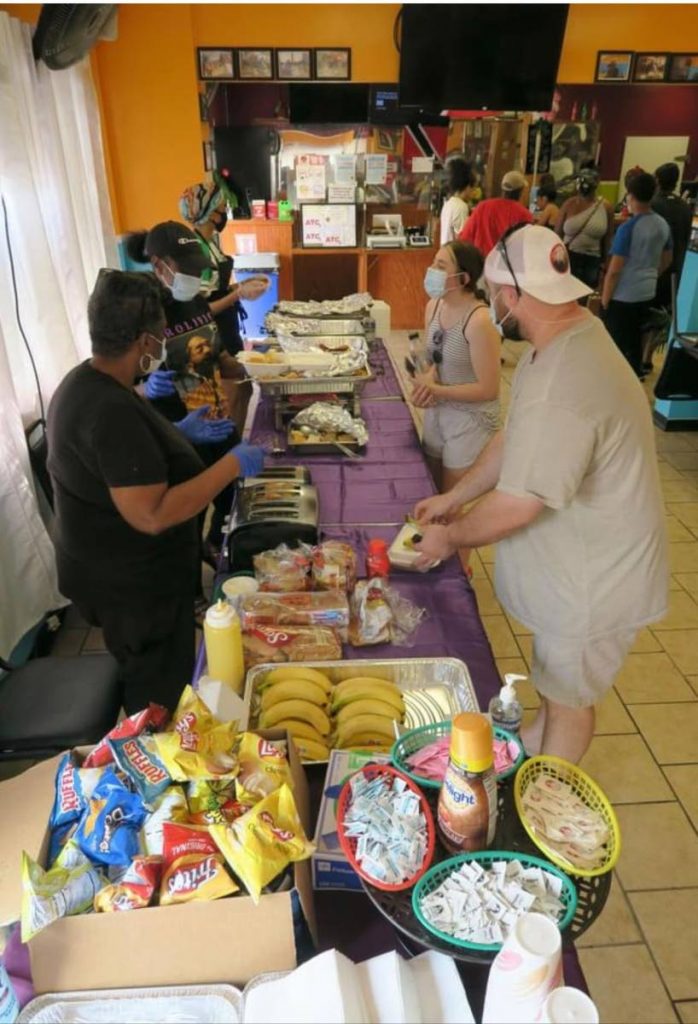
59, 892
108, 831
171, 806
153, 718
134, 890
260, 844
212, 802
194, 867
69, 802
58, 839
137, 757
197, 746
263, 768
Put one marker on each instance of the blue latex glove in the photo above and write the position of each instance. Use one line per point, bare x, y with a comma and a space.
251, 459
202, 431
159, 384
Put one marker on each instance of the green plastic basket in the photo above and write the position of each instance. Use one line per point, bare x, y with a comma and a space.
440, 872
422, 736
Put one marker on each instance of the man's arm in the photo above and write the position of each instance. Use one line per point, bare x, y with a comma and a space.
476, 481
610, 281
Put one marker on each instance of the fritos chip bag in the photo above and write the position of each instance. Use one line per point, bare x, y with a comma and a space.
108, 831
197, 746
263, 768
134, 890
137, 757
153, 718
194, 867
59, 892
212, 802
69, 802
171, 806
260, 844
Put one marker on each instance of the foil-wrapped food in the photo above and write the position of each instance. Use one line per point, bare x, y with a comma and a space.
350, 305
328, 418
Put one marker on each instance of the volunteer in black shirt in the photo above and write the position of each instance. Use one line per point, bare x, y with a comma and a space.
678, 216
128, 489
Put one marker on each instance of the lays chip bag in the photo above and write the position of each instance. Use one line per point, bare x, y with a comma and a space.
263, 768
194, 867
197, 746
170, 806
212, 802
260, 844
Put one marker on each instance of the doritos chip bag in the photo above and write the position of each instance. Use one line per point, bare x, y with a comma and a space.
263, 768
108, 831
171, 806
197, 746
153, 717
260, 844
59, 892
134, 890
137, 757
212, 802
194, 867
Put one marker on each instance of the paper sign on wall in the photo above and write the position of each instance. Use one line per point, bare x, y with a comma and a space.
376, 168
331, 226
422, 164
310, 177
345, 169
341, 193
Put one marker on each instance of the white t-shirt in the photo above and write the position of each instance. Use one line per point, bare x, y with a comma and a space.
579, 437
454, 214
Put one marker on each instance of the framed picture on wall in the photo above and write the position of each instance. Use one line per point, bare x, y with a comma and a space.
216, 63
650, 67
683, 67
255, 64
209, 160
333, 63
292, 65
613, 65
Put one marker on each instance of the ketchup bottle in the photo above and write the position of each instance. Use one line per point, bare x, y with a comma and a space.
377, 561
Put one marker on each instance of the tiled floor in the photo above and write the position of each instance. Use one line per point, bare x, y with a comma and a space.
641, 957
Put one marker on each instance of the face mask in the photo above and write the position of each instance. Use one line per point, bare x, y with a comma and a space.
435, 282
498, 324
184, 287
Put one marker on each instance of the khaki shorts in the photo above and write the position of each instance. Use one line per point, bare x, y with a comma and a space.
454, 436
578, 673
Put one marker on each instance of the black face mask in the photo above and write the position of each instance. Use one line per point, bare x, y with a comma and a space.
220, 219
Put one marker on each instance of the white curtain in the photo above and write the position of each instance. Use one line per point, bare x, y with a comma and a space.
56, 214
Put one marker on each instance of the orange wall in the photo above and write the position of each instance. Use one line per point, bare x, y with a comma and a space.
148, 87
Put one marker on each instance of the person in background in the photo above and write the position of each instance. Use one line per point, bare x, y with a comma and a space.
492, 217
459, 391
455, 210
622, 208
570, 494
205, 207
641, 252
546, 210
585, 223
178, 261
678, 216
129, 488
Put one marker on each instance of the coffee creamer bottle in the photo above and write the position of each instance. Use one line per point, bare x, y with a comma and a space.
467, 812
224, 653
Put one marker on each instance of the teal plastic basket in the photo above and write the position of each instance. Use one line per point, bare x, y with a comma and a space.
440, 872
422, 736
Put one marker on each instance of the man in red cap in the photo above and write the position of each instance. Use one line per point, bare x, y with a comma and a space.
572, 493
492, 217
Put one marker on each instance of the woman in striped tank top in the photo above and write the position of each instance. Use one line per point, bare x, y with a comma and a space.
459, 391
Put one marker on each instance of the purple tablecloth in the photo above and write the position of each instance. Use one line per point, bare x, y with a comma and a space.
386, 384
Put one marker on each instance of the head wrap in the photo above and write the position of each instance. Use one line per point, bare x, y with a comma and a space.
197, 203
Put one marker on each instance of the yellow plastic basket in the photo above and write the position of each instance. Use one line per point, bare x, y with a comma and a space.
587, 791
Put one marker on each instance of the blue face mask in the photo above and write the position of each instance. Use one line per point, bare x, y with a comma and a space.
435, 282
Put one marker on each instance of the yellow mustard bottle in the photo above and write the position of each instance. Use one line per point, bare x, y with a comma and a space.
467, 811
224, 652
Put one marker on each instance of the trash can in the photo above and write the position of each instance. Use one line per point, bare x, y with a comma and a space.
251, 264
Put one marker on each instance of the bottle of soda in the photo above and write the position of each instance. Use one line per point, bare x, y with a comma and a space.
377, 561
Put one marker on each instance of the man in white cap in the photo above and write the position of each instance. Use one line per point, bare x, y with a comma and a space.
493, 217
572, 493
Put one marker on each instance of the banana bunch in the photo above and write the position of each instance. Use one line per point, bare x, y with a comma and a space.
358, 712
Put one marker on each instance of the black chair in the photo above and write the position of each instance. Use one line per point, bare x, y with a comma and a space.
52, 704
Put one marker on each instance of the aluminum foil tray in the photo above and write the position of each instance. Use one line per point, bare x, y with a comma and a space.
309, 326
312, 385
433, 688
172, 1004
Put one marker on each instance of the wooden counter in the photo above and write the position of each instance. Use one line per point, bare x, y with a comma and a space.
394, 275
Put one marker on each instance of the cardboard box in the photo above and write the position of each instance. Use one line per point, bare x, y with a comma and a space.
331, 870
229, 940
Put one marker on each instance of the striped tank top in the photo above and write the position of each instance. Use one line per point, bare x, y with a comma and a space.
456, 366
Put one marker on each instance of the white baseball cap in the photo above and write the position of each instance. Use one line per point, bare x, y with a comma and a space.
540, 264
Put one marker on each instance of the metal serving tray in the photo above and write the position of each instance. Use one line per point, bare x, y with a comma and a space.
281, 387
309, 326
433, 688
172, 1004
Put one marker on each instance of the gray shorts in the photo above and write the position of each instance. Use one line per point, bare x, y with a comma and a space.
578, 673
454, 436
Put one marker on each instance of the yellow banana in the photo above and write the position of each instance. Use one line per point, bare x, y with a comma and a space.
300, 709
300, 730
368, 744
372, 706
366, 725
363, 689
311, 751
365, 740
294, 689
286, 672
